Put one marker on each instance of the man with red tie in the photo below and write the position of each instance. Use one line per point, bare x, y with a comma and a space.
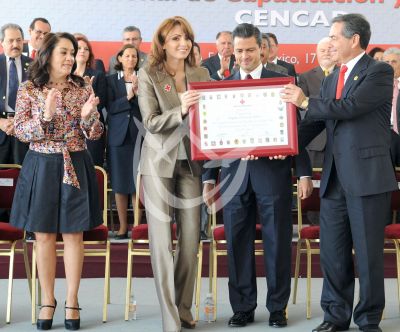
220, 65
257, 188
392, 57
38, 29
358, 175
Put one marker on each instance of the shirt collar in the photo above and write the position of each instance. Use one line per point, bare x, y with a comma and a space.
351, 64
255, 74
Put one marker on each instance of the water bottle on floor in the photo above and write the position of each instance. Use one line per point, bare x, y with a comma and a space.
209, 308
132, 308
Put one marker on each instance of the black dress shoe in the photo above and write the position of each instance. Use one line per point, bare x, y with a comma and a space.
122, 236
46, 324
328, 327
241, 318
72, 324
188, 325
370, 328
278, 318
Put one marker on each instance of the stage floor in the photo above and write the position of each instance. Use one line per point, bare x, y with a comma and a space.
149, 319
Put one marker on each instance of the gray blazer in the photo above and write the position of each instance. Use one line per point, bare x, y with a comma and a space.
160, 107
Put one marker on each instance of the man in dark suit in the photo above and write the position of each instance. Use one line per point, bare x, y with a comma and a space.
392, 57
263, 185
273, 56
358, 175
310, 83
220, 66
13, 67
38, 29
265, 47
131, 35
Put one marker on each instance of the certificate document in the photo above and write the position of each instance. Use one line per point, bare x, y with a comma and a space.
236, 118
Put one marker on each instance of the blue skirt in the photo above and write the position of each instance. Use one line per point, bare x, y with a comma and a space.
43, 203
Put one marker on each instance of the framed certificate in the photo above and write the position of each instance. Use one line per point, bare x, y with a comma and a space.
237, 118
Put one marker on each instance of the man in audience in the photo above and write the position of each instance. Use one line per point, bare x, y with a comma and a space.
358, 176
220, 66
265, 48
392, 57
13, 70
38, 29
273, 55
131, 35
310, 83
254, 186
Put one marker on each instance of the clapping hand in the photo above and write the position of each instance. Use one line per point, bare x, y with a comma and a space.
50, 104
89, 107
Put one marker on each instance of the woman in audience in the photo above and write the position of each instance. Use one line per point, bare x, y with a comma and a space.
197, 54
57, 189
171, 179
123, 129
85, 68
376, 53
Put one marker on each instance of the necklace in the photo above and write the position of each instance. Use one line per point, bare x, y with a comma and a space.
57, 83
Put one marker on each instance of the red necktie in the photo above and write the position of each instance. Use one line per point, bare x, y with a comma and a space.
33, 54
227, 73
340, 83
248, 77
394, 105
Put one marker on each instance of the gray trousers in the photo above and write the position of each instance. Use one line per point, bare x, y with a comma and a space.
174, 275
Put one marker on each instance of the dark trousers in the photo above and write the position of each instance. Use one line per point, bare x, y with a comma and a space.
240, 223
349, 222
13, 151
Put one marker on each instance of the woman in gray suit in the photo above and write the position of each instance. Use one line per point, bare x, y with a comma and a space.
171, 180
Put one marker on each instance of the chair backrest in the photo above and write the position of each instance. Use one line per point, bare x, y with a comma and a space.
101, 177
8, 181
395, 204
311, 203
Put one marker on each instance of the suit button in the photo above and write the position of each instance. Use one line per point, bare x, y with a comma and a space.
128, 116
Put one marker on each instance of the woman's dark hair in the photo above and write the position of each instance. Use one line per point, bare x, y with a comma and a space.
375, 50
82, 37
39, 70
118, 64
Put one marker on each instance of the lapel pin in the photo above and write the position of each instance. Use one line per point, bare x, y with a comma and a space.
167, 88
355, 78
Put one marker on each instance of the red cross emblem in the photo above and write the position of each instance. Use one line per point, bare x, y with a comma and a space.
167, 88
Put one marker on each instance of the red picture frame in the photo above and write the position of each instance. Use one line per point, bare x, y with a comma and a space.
261, 150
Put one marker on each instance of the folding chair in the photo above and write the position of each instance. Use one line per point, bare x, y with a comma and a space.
139, 246
308, 235
96, 243
9, 235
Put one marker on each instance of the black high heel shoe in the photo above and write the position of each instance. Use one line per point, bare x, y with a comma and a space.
46, 324
72, 324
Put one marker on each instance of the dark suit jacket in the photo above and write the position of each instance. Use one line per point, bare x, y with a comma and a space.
3, 85
310, 82
120, 111
291, 69
99, 87
213, 64
358, 129
266, 176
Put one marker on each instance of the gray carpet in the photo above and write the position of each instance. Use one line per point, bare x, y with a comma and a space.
148, 313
